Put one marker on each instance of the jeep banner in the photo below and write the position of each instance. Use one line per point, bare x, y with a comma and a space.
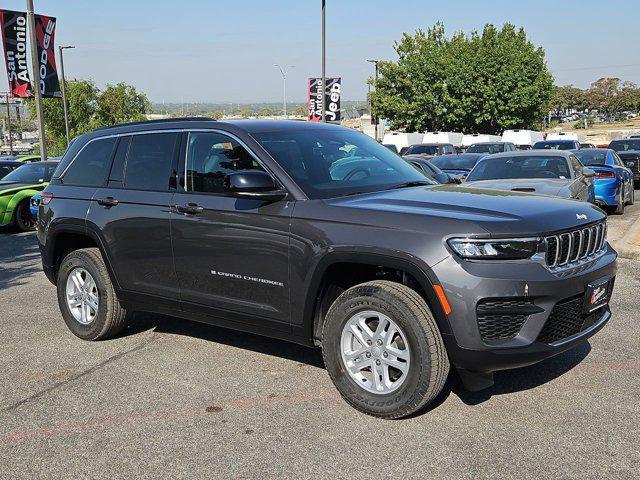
45, 34
14, 40
332, 99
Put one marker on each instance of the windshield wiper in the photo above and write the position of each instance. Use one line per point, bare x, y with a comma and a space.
415, 183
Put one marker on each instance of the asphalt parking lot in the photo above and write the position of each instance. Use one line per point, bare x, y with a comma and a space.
175, 399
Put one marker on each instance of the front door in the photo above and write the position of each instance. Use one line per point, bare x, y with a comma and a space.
231, 254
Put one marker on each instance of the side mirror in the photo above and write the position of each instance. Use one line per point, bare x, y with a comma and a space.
588, 173
256, 184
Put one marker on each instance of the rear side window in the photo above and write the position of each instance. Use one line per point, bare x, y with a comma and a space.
149, 162
91, 165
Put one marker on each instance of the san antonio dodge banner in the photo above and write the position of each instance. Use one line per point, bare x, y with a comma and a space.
332, 99
45, 34
14, 39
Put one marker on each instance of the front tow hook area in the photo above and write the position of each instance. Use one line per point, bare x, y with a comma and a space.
475, 381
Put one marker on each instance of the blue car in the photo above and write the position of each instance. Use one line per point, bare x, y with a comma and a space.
33, 205
458, 165
613, 182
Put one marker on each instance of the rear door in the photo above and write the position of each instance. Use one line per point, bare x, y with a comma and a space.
231, 253
132, 211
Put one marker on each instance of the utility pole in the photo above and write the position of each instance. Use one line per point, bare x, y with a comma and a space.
283, 71
374, 118
36, 78
64, 90
323, 83
9, 125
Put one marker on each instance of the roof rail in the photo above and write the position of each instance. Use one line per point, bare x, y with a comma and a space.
162, 120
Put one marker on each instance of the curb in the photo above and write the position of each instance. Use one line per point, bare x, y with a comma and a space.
628, 246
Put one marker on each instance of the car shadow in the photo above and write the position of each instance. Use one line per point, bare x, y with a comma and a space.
505, 382
141, 322
19, 257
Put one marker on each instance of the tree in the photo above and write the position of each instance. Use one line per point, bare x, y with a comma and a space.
568, 98
484, 82
121, 103
88, 108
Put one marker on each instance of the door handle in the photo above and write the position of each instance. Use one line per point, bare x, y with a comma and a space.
189, 209
108, 202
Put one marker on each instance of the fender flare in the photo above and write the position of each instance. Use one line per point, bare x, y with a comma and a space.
419, 271
80, 228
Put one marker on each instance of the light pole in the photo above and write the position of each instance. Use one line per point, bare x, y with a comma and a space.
283, 71
64, 90
323, 83
375, 62
36, 78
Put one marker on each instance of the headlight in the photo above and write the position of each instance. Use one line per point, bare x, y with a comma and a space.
486, 249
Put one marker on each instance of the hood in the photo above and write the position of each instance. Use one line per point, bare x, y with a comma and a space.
495, 212
553, 187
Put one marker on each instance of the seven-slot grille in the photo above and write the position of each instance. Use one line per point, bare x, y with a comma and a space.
575, 246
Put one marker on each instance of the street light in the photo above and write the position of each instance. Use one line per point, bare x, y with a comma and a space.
64, 91
283, 71
375, 62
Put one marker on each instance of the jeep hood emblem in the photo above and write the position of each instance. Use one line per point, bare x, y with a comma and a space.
581, 216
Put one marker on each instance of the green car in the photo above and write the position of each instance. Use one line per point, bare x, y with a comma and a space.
27, 158
16, 190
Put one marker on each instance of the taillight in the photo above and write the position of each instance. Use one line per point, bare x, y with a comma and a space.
45, 198
605, 174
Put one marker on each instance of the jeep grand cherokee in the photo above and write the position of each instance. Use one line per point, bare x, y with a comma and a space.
317, 234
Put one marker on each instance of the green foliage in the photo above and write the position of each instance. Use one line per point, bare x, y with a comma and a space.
88, 108
608, 95
484, 82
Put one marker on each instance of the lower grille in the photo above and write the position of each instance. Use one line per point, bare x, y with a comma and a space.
502, 318
567, 318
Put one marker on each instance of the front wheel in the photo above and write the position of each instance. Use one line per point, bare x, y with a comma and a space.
383, 350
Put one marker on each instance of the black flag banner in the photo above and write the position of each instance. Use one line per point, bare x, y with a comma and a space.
333, 90
45, 34
14, 39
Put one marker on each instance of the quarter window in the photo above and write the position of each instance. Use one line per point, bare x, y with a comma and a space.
150, 159
213, 156
91, 165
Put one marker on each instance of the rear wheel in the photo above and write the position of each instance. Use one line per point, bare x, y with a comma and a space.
23, 219
383, 350
620, 207
86, 296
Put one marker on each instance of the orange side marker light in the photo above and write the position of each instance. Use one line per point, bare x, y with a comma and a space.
443, 299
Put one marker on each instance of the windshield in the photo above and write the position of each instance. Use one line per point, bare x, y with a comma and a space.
455, 162
486, 148
624, 145
37, 172
520, 167
550, 145
422, 150
330, 162
595, 157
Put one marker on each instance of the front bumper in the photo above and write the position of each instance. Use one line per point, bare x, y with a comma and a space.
467, 283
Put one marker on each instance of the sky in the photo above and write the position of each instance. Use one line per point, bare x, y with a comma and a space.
224, 51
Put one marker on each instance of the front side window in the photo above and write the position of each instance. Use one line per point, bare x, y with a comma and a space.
91, 165
150, 159
520, 167
330, 162
213, 156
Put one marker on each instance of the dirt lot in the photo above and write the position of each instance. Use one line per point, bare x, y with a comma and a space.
176, 399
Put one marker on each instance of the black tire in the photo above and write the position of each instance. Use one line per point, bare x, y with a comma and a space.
22, 217
429, 365
111, 317
620, 207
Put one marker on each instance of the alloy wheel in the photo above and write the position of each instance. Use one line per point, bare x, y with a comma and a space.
82, 296
375, 352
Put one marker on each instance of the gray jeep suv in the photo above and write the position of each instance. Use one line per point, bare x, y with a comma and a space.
318, 235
